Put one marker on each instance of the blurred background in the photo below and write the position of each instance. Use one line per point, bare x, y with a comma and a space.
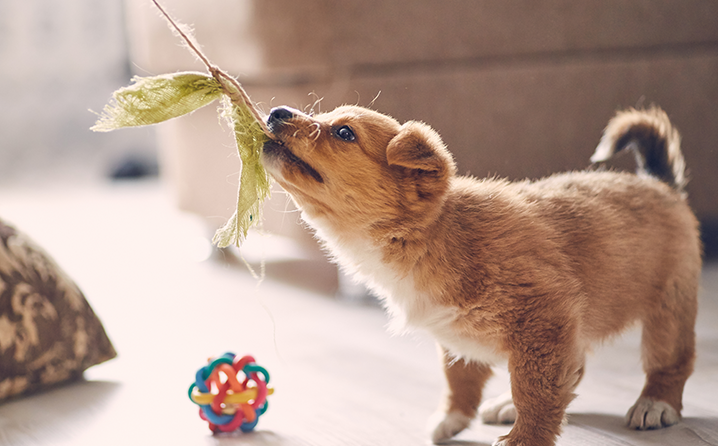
518, 89
58, 60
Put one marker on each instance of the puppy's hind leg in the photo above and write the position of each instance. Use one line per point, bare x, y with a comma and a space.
668, 344
465, 385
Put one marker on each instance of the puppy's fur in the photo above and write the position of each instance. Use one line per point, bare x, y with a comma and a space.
525, 273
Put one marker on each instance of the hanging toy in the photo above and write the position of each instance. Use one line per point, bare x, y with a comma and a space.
151, 100
231, 393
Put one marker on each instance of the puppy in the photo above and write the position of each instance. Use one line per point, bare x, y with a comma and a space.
527, 274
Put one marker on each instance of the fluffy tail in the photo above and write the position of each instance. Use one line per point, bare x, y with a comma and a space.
651, 137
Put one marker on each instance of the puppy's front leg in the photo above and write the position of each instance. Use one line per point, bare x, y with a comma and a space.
545, 367
465, 384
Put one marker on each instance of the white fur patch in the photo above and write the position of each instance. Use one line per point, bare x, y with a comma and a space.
466, 347
499, 410
651, 414
409, 307
451, 424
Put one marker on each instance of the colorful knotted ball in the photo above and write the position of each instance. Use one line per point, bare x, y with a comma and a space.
231, 393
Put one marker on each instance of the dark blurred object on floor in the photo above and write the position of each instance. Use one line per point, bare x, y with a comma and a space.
133, 168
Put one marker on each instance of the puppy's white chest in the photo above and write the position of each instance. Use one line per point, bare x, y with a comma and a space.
410, 307
414, 309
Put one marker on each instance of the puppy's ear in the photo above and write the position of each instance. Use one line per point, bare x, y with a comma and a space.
417, 146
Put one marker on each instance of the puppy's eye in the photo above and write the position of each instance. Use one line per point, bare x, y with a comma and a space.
345, 133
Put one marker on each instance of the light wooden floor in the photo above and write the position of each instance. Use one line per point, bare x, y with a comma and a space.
340, 379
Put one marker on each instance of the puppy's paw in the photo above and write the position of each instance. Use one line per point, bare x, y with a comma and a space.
449, 426
651, 414
499, 410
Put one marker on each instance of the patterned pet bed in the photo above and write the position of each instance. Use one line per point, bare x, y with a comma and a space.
48, 332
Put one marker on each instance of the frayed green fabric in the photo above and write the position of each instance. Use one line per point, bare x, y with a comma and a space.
151, 100
254, 182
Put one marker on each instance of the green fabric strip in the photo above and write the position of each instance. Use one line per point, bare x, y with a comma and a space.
254, 182
151, 100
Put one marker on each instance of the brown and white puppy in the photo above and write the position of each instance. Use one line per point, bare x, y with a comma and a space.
527, 274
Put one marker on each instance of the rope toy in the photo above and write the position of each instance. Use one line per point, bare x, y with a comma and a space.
151, 100
226, 400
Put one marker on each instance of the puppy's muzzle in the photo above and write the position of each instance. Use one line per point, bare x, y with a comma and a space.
277, 148
278, 116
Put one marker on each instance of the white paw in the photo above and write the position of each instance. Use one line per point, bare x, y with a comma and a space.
452, 424
499, 410
650, 414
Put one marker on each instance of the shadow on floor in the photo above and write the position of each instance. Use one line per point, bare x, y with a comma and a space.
45, 415
612, 430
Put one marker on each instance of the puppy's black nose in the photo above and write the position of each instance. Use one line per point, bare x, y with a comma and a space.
279, 115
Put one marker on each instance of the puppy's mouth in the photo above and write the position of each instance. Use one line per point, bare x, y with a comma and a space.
276, 149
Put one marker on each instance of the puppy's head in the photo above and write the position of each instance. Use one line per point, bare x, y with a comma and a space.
353, 166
